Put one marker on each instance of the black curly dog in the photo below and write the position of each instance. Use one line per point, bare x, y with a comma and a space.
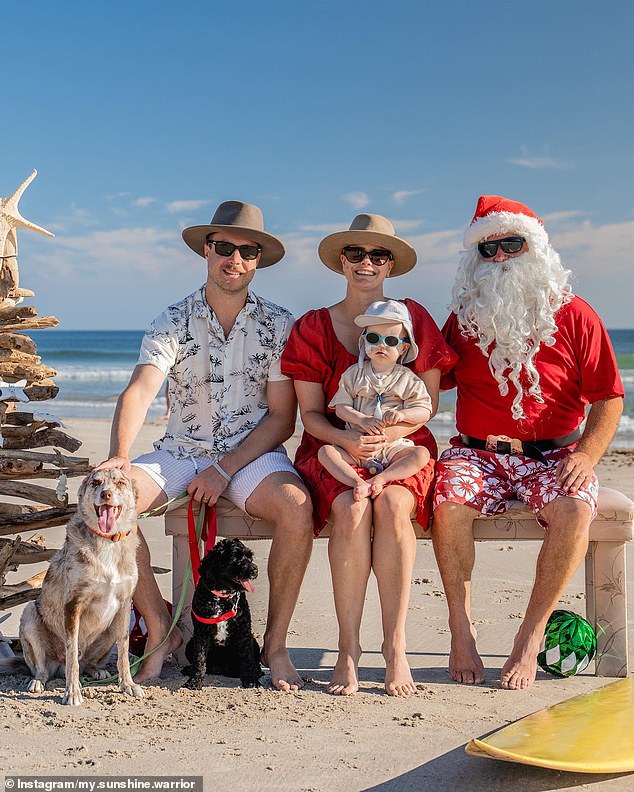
223, 643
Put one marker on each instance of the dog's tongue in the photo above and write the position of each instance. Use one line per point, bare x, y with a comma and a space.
248, 586
106, 517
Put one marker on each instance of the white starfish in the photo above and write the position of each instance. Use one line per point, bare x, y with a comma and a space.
10, 219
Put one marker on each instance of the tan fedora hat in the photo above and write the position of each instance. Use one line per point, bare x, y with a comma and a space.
368, 229
244, 219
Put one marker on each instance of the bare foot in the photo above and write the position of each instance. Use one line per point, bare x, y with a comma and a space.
362, 490
152, 666
283, 673
465, 664
519, 671
398, 676
345, 676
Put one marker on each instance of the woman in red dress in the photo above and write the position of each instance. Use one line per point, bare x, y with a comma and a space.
370, 534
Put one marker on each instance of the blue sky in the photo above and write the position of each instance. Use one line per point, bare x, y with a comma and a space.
142, 116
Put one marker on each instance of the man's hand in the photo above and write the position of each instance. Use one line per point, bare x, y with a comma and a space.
575, 471
208, 486
121, 462
363, 446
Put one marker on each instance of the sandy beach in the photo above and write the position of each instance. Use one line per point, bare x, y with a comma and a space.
265, 740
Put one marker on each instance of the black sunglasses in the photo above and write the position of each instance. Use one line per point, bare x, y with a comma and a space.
247, 252
391, 340
355, 255
512, 244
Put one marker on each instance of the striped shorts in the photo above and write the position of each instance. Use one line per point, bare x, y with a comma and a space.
174, 475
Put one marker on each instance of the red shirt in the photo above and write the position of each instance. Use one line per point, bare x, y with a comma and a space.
313, 353
579, 369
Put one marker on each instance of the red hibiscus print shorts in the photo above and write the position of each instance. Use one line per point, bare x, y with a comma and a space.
487, 481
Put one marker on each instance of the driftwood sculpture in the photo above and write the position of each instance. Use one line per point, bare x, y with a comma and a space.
25, 381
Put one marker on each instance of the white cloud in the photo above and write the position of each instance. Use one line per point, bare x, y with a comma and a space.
176, 207
123, 278
326, 228
356, 199
558, 217
542, 163
403, 226
143, 202
401, 196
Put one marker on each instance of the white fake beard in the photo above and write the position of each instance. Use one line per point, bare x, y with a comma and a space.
512, 304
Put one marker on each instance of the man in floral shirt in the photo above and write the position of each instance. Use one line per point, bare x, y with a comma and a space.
531, 358
231, 409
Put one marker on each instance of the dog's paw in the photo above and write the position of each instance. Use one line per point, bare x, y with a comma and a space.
97, 673
36, 686
251, 683
73, 697
194, 684
132, 690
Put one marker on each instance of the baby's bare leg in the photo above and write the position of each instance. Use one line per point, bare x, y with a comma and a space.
405, 463
339, 464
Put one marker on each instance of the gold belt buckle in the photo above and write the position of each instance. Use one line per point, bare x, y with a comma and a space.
513, 444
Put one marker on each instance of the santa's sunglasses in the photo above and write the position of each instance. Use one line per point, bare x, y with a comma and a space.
512, 244
247, 252
391, 340
355, 255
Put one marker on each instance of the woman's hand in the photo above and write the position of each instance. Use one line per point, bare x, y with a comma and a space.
362, 446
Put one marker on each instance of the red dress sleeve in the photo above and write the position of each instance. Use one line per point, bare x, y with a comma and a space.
433, 350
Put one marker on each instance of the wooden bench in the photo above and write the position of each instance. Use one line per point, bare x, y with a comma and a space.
605, 570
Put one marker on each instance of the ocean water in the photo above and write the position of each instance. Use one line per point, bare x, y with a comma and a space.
94, 366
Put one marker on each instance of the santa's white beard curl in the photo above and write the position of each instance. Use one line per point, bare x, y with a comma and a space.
513, 304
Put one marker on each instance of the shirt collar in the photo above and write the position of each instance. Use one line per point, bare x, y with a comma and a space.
203, 310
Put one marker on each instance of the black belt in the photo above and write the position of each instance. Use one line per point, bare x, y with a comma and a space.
501, 444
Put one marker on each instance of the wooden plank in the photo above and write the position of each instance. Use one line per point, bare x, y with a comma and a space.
17, 312
19, 342
44, 437
42, 456
10, 524
20, 489
38, 323
47, 474
16, 594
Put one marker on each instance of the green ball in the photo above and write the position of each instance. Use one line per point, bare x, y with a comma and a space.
569, 644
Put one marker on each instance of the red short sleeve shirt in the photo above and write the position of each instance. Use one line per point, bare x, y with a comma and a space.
579, 369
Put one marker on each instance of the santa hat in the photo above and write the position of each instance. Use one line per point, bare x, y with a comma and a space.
496, 215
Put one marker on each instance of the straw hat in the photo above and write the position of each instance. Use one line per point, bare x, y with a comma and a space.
244, 219
368, 229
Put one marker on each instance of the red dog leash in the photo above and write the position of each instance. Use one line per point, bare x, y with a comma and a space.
209, 533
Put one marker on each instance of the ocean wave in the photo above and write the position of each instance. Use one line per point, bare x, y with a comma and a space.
85, 374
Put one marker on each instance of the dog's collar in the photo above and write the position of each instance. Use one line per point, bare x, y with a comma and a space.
216, 619
117, 537
223, 616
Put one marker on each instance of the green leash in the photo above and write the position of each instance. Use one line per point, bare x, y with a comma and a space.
136, 661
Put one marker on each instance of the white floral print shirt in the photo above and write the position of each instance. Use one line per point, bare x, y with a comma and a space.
217, 385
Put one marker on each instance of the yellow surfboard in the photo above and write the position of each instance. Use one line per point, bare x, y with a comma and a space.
590, 733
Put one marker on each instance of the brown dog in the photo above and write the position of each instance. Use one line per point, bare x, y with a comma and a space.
84, 606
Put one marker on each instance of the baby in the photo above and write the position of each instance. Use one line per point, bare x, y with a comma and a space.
380, 392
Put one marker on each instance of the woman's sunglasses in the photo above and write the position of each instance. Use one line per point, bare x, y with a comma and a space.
247, 252
355, 255
391, 340
511, 244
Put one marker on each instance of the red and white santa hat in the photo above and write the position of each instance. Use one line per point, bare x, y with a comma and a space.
497, 215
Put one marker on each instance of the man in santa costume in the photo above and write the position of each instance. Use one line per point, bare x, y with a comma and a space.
532, 357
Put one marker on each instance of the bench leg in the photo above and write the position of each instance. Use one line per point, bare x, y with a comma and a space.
607, 606
180, 559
